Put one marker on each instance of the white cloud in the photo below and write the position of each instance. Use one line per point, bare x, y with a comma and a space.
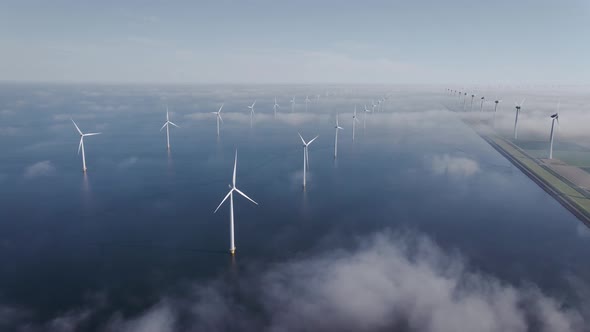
42, 168
451, 165
128, 162
388, 282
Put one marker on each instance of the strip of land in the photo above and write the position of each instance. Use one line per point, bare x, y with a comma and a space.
553, 176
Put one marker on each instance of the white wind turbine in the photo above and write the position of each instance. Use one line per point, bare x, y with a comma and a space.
230, 194
293, 104
167, 125
81, 145
354, 121
306, 102
496, 102
554, 117
252, 112
305, 157
275, 107
464, 100
482, 101
472, 96
365, 117
518, 107
337, 127
218, 115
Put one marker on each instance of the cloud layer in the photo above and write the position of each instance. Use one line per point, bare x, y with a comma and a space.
399, 282
452, 165
42, 168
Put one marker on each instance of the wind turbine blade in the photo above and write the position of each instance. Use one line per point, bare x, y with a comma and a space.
313, 140
221, 108
163, 126
522, 102
91, 134
235, 166
226, 196
172, 123
78, 129
302, 140
220, 118
340, 128
80, 145
241, 193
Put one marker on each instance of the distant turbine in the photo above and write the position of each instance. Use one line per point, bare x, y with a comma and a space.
464, 100
305, 157
317, 98
373, 106
81, 145
306, 102
481, 107
252, 112
365, 117
518, 106
167, 125
337, 127
354, 121
230, 194
275, 107
472, 96
218, 116
554, 117
293, 104
496, 102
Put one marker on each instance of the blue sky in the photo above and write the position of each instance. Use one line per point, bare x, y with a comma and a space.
459, 42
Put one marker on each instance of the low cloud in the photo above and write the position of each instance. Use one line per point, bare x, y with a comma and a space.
128, 162
42, 168
389, 281
451, 165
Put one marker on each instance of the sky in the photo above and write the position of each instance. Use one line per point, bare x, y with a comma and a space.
264, 41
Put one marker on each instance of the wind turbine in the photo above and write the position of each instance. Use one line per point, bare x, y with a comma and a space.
373, 106
293, 104
317, 98
275, 107
496, 102
218, 115
337, 127
305, 157
554, 117
354, 121
365, 117
472, 96
230, 194
481, 106
464, 100
306, 102
81, 145
167, 125
518, 106
252, 112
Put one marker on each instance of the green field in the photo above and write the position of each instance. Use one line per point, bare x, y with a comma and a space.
563, 188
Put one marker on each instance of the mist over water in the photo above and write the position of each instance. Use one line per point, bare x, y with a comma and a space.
417, 220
